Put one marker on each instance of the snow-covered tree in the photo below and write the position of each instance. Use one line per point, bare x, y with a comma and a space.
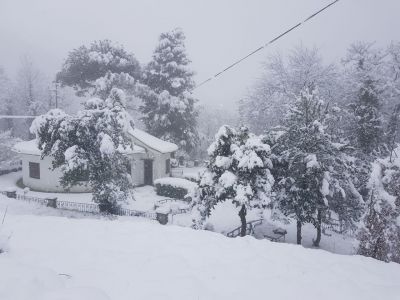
85, 65
365, 90
238, 171
209, 122
380, 234
31, 89
7, 156
282, 79
6, 103
308, 168
168, 107
90, 147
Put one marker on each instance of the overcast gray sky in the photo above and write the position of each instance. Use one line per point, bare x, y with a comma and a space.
218, 32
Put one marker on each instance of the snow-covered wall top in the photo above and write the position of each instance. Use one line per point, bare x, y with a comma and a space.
153, 142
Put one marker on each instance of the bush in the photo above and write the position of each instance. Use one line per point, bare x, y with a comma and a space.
174, 187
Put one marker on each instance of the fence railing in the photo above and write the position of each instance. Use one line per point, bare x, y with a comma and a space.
82, 207
77, 206
249, 228
135, 213
337, 226
42, 201
175, 211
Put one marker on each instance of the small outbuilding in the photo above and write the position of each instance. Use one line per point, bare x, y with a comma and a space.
150, 159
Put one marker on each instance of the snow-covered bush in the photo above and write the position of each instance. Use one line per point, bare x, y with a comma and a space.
174, 187
92, 144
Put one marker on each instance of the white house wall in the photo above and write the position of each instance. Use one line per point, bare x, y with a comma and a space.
138, 169
159, 165
49, 179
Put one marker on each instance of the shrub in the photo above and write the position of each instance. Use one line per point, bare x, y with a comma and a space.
174, 187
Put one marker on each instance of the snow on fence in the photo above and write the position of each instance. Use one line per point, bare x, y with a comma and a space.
177, 172
42, 201
82, 207
135, 213
249, 228
77, 206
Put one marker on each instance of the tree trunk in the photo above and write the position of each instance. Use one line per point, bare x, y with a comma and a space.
242, 215
318, 226
298, 233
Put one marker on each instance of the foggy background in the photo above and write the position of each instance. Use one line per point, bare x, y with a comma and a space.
217, 32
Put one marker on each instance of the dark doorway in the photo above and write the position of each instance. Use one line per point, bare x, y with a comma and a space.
148, 172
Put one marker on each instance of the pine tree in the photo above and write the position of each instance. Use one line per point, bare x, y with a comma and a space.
309, 173
90, 145
393, 130
85, 65
238, 170
380, 236
168, 108
366, 84
6, 105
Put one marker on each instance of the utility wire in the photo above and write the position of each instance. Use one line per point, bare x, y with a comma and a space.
265, 45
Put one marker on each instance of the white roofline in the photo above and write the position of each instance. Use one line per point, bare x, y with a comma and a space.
153, 142
31, 148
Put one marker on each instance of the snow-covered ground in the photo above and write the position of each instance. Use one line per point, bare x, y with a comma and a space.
55, 257
145, 197
224, 218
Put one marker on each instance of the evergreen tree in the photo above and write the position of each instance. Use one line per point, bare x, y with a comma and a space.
85, 65
238, 170
168, 107
91, 146
308, 170
6, 103
366, 84
393, 130
380, 235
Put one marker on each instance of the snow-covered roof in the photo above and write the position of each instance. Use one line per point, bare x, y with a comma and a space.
30, 147
27, 147
153, 142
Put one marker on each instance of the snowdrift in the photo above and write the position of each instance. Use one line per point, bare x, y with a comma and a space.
56, 258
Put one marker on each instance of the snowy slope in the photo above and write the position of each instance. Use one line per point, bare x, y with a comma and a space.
133, 258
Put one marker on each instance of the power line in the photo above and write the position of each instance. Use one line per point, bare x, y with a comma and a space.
265, 45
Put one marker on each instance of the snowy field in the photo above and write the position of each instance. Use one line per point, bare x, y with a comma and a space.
224, 218
72, 258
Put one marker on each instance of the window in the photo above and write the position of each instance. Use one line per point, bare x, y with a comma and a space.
34, 170
168, 166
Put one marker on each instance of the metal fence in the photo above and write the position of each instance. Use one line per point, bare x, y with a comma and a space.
135, 213
82, 207
177, 172
42, 201
77, 206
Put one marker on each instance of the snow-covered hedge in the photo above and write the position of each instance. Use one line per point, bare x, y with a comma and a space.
174, 187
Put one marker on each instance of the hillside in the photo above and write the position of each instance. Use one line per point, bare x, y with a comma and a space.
59, 257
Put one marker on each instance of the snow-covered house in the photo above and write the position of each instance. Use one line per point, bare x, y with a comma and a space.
150, 160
